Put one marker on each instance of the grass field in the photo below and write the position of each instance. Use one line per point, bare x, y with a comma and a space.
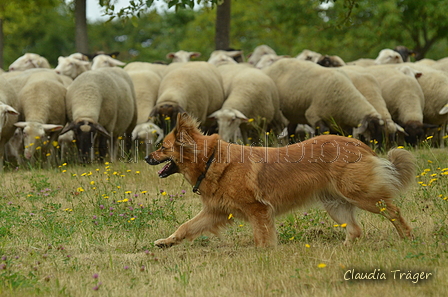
88, 231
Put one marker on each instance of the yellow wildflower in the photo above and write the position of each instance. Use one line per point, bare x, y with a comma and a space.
230, 216
322, 265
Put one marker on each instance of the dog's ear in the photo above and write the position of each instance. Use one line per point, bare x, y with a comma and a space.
186, 123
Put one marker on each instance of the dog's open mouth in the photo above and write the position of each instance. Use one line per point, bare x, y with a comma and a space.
168, 169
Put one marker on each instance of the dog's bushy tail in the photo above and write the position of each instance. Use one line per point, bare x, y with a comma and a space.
404, 163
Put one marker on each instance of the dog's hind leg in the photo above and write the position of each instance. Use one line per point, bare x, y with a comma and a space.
343, 212
261, 218
205, 221
389, 210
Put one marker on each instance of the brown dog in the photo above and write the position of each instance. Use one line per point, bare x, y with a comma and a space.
257, 183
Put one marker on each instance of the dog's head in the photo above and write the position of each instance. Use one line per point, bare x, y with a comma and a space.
178, 147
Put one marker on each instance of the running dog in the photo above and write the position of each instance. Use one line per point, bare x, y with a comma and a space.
257, 183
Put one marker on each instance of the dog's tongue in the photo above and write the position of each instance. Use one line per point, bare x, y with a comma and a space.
161, 171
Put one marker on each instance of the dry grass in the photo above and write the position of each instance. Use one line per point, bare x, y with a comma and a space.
60, 237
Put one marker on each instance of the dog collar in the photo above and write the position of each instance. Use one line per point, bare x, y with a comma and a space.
202, 176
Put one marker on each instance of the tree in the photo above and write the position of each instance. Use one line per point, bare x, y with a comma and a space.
82, 43
222, 28
13, 12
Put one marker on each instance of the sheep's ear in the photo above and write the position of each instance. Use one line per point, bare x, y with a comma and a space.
9, 110
195, 54
101, 130
68, 127
429, 126
213, 115
362, 127
21, 124
401, 129
444, 110
116, 62
240, 115
170, 55
51, 127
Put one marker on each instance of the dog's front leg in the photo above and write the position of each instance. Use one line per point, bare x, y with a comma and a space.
206, 221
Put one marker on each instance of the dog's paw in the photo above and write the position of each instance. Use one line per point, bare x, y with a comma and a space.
164, 243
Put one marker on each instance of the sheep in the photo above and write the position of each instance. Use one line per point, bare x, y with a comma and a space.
434, 84
71, 67
42, 108
195, 87
101, 103
14, 148
330, 61
249, 93
8, 115
404, 52
101, 61
148, 133
308, 55
223, 57
258, 52
268, 59
315, 95
146, 85
363, 62
157, 68
388, 56
182, 56
29, 61
368, 86
404, 99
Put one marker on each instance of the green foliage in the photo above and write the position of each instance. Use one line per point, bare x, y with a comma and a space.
351, 28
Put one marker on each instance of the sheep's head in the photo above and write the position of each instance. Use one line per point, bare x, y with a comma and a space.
27, 61
35, 135
85, 134
416, 132
165, 116
102, 61
71, 67
223, 57
374, 129
182, 56
388, 56
229, 121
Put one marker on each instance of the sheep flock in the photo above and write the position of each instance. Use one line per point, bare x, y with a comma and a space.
96, 107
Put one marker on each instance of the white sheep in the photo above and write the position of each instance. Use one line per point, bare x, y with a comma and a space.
101, 61
268, 59
194, 87
404, 99
434, 84
148, 134
182, 56
101, 103
146, 85
8, 115
250, 94
29, 61
308, 55
330, 61
223, 57
72, 67
42, 108
388, 56
323, 98
363, 62
258, 52
160, 69
369, 87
